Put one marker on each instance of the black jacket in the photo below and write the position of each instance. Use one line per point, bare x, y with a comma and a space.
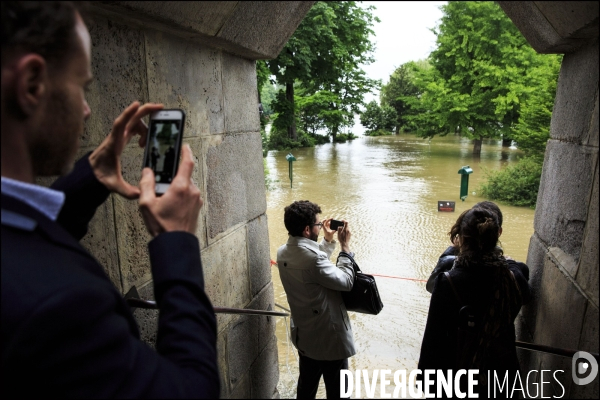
66, 330
474, 285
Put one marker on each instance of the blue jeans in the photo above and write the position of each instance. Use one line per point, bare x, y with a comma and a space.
310, 375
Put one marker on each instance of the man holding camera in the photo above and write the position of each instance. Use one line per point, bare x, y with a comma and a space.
66, 330
320, 327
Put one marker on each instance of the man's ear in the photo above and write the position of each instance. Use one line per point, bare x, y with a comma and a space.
31, 76
306, 232
499, 231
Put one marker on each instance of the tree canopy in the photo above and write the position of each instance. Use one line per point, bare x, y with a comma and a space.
483, 72
402, 85
320, 68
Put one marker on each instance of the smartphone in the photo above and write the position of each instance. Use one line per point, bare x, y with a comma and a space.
335, 224
163, 147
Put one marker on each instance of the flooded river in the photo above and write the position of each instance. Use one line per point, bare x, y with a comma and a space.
387, 188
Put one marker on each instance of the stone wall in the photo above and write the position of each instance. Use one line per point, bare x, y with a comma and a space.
563, 252
198, 56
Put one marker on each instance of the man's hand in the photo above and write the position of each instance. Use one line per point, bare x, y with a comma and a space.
178, 208
327, 231
344, 235
106, 159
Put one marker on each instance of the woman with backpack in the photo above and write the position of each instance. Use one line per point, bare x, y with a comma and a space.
473, 306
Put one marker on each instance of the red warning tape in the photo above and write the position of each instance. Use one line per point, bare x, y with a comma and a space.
383, 276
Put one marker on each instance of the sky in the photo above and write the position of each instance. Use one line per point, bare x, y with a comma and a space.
402, 35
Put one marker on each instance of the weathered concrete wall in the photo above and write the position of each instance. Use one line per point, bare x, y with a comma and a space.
563, 252
197, 56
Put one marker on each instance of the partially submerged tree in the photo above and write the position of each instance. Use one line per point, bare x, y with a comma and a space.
324, 55
482, 73
378, 119
402, 86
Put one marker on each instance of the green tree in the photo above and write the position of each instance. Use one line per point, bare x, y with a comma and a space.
378, 119
325, 54
478, 80
401, 86
532, 130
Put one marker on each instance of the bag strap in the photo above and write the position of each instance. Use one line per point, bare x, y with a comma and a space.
447, 274
354, 264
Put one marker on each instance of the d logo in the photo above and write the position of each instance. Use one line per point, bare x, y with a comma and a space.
584, 368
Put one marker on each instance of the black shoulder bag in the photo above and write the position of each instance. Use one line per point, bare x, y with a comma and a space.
364, 296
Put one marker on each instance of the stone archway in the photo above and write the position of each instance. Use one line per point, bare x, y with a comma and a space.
563, 251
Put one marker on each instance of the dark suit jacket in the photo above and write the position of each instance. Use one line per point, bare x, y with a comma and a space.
66, 330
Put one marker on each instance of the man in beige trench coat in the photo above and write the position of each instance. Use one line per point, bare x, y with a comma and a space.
320, 327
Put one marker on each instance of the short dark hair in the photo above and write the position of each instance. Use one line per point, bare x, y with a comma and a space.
299, 215
43, 27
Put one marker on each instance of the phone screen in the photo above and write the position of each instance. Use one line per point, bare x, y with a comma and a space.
163, 149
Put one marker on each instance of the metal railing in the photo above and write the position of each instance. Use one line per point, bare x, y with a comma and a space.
132, 298
151, 305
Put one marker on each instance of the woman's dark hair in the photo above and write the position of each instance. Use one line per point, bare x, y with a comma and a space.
488, 205
478, 231
43, 27
299, 215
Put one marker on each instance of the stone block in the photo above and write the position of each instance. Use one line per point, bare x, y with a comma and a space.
226, 274
242, 347
264, 27
587, 274
249, 29
132, 235
265, 373
536, 29
259, 259
570, 18
565, 188
265, 324
575, 95
593, 137
223, 365
198, 150
147, 320
200, 16
588, 342
119, 68
561, 309
235, 182
187, 75
243, 388
536, 256
240, 95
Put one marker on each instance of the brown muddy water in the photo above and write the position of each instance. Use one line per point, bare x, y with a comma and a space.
387, 188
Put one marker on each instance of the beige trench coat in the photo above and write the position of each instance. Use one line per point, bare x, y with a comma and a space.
320, 327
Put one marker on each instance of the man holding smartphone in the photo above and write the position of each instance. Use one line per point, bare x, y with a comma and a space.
320, 327
66, 330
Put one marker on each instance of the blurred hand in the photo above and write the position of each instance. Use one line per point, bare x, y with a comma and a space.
106, 159
327, 231
344, 234
178, 208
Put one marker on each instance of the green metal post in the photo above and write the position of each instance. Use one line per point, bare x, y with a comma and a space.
290, 157
464, 181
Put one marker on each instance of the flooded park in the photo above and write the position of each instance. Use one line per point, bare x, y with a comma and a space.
387, 188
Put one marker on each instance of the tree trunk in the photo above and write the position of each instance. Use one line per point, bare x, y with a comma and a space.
289, 95
477, 147
334, 133
506, 142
